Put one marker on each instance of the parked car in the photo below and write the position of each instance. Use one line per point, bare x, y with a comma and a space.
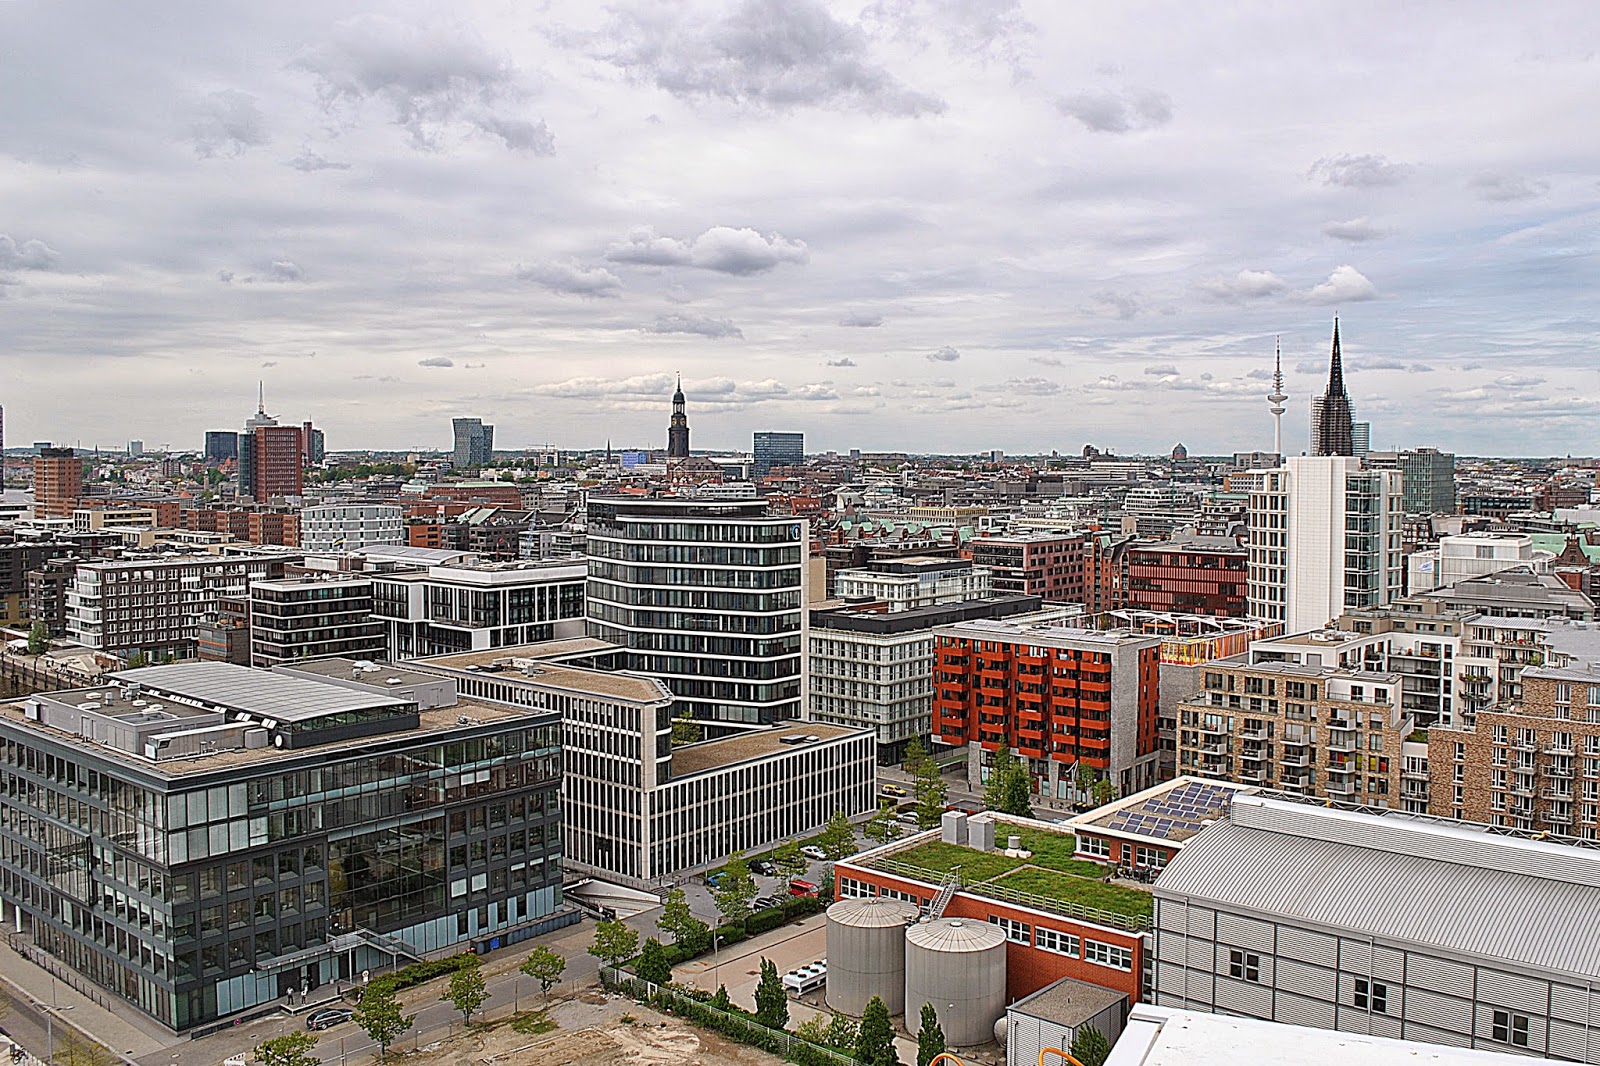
797, 887
894, 790
767, 901
908, 818
714, 878
811, 851
327, 1018
762, 866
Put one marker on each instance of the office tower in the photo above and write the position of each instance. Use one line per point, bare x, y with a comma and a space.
1332, 432
221, 444
777, 449
474, 443
313, 448
57, 482
1360, 438
268, 832
1428, 478
678, 428
1324, 539
1276, 397
135, 449
709, 596
270, 462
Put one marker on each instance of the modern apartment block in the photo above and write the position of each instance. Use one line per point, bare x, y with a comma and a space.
474, 443
1473, 555
1385, 924
1533, 764
871, 668
1428, 478
338, 527
1330, 731
57, 482
221, 445
467, 605
1324, 539
1187, 575
777, 449
1061, 698
637, 809
708, 595
271, 461
154, 605
203, 839
1047, 565
313, 616
917, 581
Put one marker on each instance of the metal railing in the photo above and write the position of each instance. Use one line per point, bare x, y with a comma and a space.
1132, 922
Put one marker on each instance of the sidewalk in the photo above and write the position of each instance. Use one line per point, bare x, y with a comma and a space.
104, 1019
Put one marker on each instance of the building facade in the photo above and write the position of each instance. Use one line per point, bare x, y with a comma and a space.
57, 482
777, 449
334, 527
709, 596
470, 605
271, 462
1325, 538
1065, 700
1050, 566
474, 443
313, 616
1250, 922
1187, 575
1429, 478
201, 840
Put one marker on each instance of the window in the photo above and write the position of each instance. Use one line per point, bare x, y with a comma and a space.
1244, 965
1510, 1028
1108, 955
1090, 845
1056, 941
1372, 996
1021, 932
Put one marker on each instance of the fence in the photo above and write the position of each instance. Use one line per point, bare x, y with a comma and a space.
738, 1026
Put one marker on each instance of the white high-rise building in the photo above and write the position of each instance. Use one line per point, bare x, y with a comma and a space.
1324, 539
333, 527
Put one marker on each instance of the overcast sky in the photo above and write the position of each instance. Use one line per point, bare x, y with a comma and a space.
933, 225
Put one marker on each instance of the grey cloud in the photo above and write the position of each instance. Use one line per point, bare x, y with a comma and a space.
1345, 285
227, 123
705, 327
1122, 305
1378, 364
946, 354
225, 276
1310, 366
1419, 368
1028, 386
1518, 381
436, 360
1359, 171
1167, 371
309, 162
1500, 188
1126, 112
1355, 230
846, 361
1245, 285
1045, 360
285, 270
861, 320
720, 248
1259, 374
432, 81
570, 278
778, 54
29, 255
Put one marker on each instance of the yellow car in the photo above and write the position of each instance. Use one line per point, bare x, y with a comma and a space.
893, 790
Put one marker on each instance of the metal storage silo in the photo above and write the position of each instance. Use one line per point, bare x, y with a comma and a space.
958, 965
867, 952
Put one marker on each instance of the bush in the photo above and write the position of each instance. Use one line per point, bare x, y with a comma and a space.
418, 972
762, 921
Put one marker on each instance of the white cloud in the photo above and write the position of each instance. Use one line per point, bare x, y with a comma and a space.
1359, 171
28, 255
1245, 285
720, 248
436, 361
697, 324
1355, 230
1345, 285
572, 279
1500, 188
946, 354
226, 123
1125, 112
1167, 371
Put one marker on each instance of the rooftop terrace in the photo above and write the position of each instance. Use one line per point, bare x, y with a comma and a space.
1052, 879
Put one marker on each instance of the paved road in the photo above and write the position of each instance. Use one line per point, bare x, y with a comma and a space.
26, 1025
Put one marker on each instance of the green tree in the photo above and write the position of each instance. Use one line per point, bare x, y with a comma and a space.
686, 731
467, 989
379, 1016
74, 1050
39, 638
1104, 792
1016, 792
999, 770
688, 932
720, 999
544, 966
881, 827
838, 838
875, 1039
915, 755
735, 891
825, 888
291, 1049
614, 942
138, 659
842, 1032
930, 1038
772, 1002
931, 793
788, 859
1090, 1046
653, 965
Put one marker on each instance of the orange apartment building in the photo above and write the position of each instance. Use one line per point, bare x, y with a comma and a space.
57, 482
1059, 697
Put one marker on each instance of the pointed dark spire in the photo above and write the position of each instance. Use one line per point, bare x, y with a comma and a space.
1334, 432
1336, 367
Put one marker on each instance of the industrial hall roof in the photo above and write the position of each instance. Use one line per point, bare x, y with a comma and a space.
1434, 885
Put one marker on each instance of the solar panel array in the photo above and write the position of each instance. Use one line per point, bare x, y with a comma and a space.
1174, 815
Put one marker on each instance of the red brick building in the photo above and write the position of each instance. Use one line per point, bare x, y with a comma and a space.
57, 482
1062, 698
1186, 576
1047, 565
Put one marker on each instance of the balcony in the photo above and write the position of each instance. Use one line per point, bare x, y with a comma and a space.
1214, 730
1340, 788
1413, 775
1562, 749
1213, 749
1560, 773
1298, 760
1342, 745
1251, 777
1253, 756
1562, 794
1253, 734
1518, 789
1525, 745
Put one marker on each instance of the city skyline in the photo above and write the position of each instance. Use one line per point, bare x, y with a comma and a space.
915, 226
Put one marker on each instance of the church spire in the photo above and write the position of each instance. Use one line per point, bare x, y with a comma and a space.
1334, 431
678, 428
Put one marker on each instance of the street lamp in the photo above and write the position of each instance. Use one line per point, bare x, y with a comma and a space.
49, 1012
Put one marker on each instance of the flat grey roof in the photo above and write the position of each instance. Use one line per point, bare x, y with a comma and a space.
1448, 886
344, 670
264, 693
1068, 1002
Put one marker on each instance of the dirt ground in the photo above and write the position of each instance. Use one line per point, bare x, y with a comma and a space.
594, 1030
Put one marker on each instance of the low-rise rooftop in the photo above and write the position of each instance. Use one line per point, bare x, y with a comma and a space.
715, 754
1167, 813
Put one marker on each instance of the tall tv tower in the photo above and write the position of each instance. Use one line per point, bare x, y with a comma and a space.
1276, 398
